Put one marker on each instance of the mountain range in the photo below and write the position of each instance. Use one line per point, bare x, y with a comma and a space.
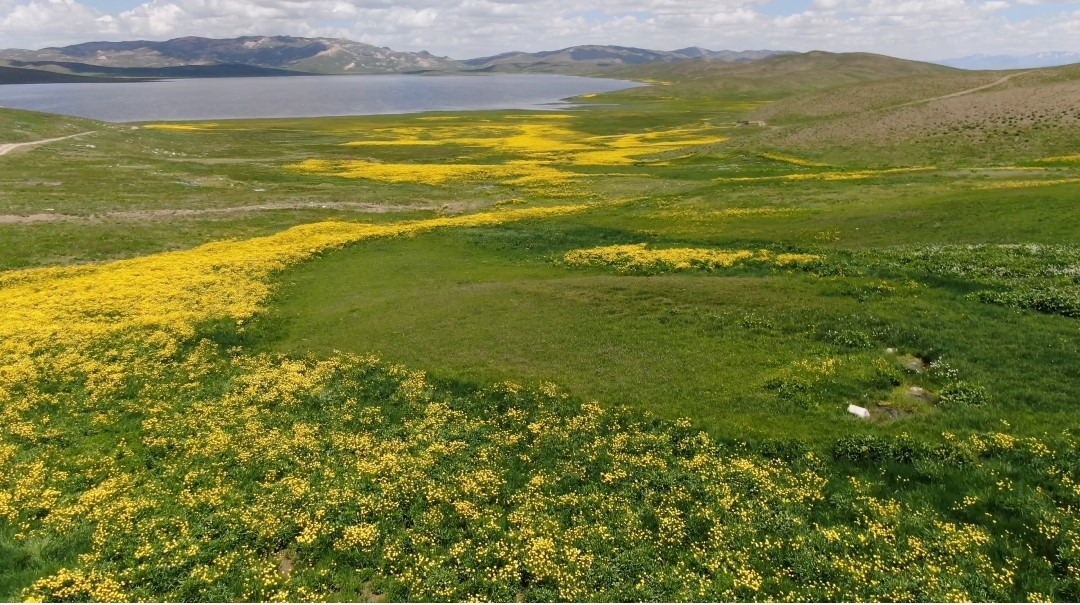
603, 56
311, 55
250, 55
1048, 59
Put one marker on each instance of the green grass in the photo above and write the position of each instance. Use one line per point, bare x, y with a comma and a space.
764, 360
24, 245
17, 126
489, 305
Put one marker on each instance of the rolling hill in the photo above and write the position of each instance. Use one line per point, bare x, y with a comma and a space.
19, 75
20, 126
318, 55
596, 57
337, 56
935, 116
777, 76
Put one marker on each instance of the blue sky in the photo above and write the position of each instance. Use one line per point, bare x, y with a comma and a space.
918, 29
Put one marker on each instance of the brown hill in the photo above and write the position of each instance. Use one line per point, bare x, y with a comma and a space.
989, 115
780, 76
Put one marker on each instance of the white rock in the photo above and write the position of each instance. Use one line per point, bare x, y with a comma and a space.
858, 411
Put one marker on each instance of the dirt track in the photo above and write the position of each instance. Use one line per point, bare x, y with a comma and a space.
168, 213
6, 148
969, 91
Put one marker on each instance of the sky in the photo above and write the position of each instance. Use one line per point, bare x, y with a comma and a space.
915, 29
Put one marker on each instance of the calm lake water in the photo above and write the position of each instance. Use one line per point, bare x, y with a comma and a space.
302, 96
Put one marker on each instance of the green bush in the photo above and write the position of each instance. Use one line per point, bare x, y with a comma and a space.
961, 393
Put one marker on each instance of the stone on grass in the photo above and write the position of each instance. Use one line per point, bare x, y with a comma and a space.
914, 364
855, 410
922, 394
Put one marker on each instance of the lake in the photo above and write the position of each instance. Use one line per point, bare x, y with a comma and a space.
306, 96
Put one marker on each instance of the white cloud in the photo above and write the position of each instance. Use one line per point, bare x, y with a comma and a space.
463, 28
48, 20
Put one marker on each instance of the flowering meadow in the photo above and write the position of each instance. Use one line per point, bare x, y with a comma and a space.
585, 355
184, 469
538, 153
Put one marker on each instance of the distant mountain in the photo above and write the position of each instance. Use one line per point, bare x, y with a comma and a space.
245, 56
1048, 59
730, 56
316, 55
602, 56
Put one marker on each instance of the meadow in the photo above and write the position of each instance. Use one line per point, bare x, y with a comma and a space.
601, 353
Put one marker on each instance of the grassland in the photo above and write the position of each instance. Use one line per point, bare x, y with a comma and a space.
596, 354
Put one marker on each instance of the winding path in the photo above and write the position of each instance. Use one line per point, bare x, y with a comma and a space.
6, 148
969, 91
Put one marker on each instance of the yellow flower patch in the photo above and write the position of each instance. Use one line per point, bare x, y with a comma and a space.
787, 159
536, 151
855, 175
182, 127
1070, 159
1016, 168
694, 214
639, 257
1028, 183
169, 293
516, 173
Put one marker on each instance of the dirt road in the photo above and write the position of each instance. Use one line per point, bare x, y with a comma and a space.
171, 213
969, 91
6, 148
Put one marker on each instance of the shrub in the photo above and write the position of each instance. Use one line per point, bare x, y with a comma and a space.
962, 393
852, 339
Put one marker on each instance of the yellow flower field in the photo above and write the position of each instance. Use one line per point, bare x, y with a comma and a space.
179, 468
1025, 184
532, 150
854, 175
639, 257
1063, 158
64, 313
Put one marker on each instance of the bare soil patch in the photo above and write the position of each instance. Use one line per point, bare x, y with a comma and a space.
171, 213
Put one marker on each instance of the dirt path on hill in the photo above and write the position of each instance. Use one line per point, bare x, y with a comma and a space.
168, 213
961, 93
6, 148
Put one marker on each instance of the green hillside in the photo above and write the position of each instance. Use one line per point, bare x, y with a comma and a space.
18, 126
778, 76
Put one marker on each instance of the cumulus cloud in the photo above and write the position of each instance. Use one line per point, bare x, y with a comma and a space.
49, 19
464, 28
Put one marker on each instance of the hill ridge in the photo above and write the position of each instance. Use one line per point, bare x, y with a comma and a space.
344, 56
